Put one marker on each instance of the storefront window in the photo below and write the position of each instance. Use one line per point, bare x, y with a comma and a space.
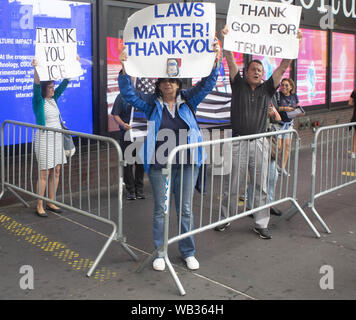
343, 66
311, 68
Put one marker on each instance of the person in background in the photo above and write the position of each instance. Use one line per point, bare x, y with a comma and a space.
352, 103
171, 108
287, 102
133, 171
48, 146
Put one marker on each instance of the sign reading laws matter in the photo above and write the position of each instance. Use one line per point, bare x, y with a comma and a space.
171, 40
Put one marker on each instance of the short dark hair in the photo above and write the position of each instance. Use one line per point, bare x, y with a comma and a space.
254, 61
44, 85
159, 80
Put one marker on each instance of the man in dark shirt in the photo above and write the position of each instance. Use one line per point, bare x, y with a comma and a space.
249, 111
133, 181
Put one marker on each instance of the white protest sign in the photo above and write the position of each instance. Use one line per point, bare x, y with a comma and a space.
162, 37
56, 54
263, 28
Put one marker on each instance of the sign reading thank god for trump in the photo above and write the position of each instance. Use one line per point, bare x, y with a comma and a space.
263, 28
171, 40
56, 54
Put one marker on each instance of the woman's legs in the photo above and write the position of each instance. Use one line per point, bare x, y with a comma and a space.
41, 187
286, 151
158, 183
53, 184
53, 180
186, 246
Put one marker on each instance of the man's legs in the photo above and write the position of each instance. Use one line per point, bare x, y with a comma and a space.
238, 177
258, 169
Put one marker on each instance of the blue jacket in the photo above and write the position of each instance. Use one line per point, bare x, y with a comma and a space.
38, 101
195, 95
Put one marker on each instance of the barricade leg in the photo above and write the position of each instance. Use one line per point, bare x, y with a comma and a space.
148, 260
306, 218
129, 251
320, 219
18, 197
174, 275
103, 250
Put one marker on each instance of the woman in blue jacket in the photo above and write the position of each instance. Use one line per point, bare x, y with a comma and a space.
170, 110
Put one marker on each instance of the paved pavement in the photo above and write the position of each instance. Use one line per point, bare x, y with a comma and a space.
235, 264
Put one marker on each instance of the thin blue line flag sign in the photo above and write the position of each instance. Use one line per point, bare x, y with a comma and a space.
171, 40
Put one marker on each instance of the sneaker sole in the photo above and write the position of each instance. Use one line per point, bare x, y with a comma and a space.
223, 227
261, 236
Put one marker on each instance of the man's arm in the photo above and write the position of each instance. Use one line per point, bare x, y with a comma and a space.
121, 123
233, 69
279, 72
285, 63
351, 102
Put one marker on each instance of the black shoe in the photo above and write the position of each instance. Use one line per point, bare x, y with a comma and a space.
140, 195
275, 212
53, 209
131, 196
42, 215
222, 227
263, 233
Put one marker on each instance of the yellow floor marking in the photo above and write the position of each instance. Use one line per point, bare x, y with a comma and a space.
348, 173
58, 249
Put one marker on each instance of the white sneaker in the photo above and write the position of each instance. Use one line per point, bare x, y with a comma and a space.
192, 263
159, 264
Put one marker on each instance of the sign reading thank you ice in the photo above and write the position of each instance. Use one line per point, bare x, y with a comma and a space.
171, 40
56, 54
263, 28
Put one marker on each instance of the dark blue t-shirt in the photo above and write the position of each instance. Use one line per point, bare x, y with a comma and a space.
122, 109
175, 125
286, 101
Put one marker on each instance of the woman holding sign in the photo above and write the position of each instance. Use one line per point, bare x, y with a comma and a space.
171, 110
48, 146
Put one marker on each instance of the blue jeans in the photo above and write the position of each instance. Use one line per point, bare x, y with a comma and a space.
158, 182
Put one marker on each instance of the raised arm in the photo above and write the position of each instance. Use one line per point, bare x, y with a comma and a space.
36, 78
233, 69
284, 65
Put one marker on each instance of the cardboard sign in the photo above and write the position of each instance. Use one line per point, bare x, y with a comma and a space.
171, 40
56, 54
263, 28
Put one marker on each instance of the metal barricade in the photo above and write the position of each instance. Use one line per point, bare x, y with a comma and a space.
82, 187
233, 182
334, 168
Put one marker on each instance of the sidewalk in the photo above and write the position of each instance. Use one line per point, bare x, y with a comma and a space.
235, 264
